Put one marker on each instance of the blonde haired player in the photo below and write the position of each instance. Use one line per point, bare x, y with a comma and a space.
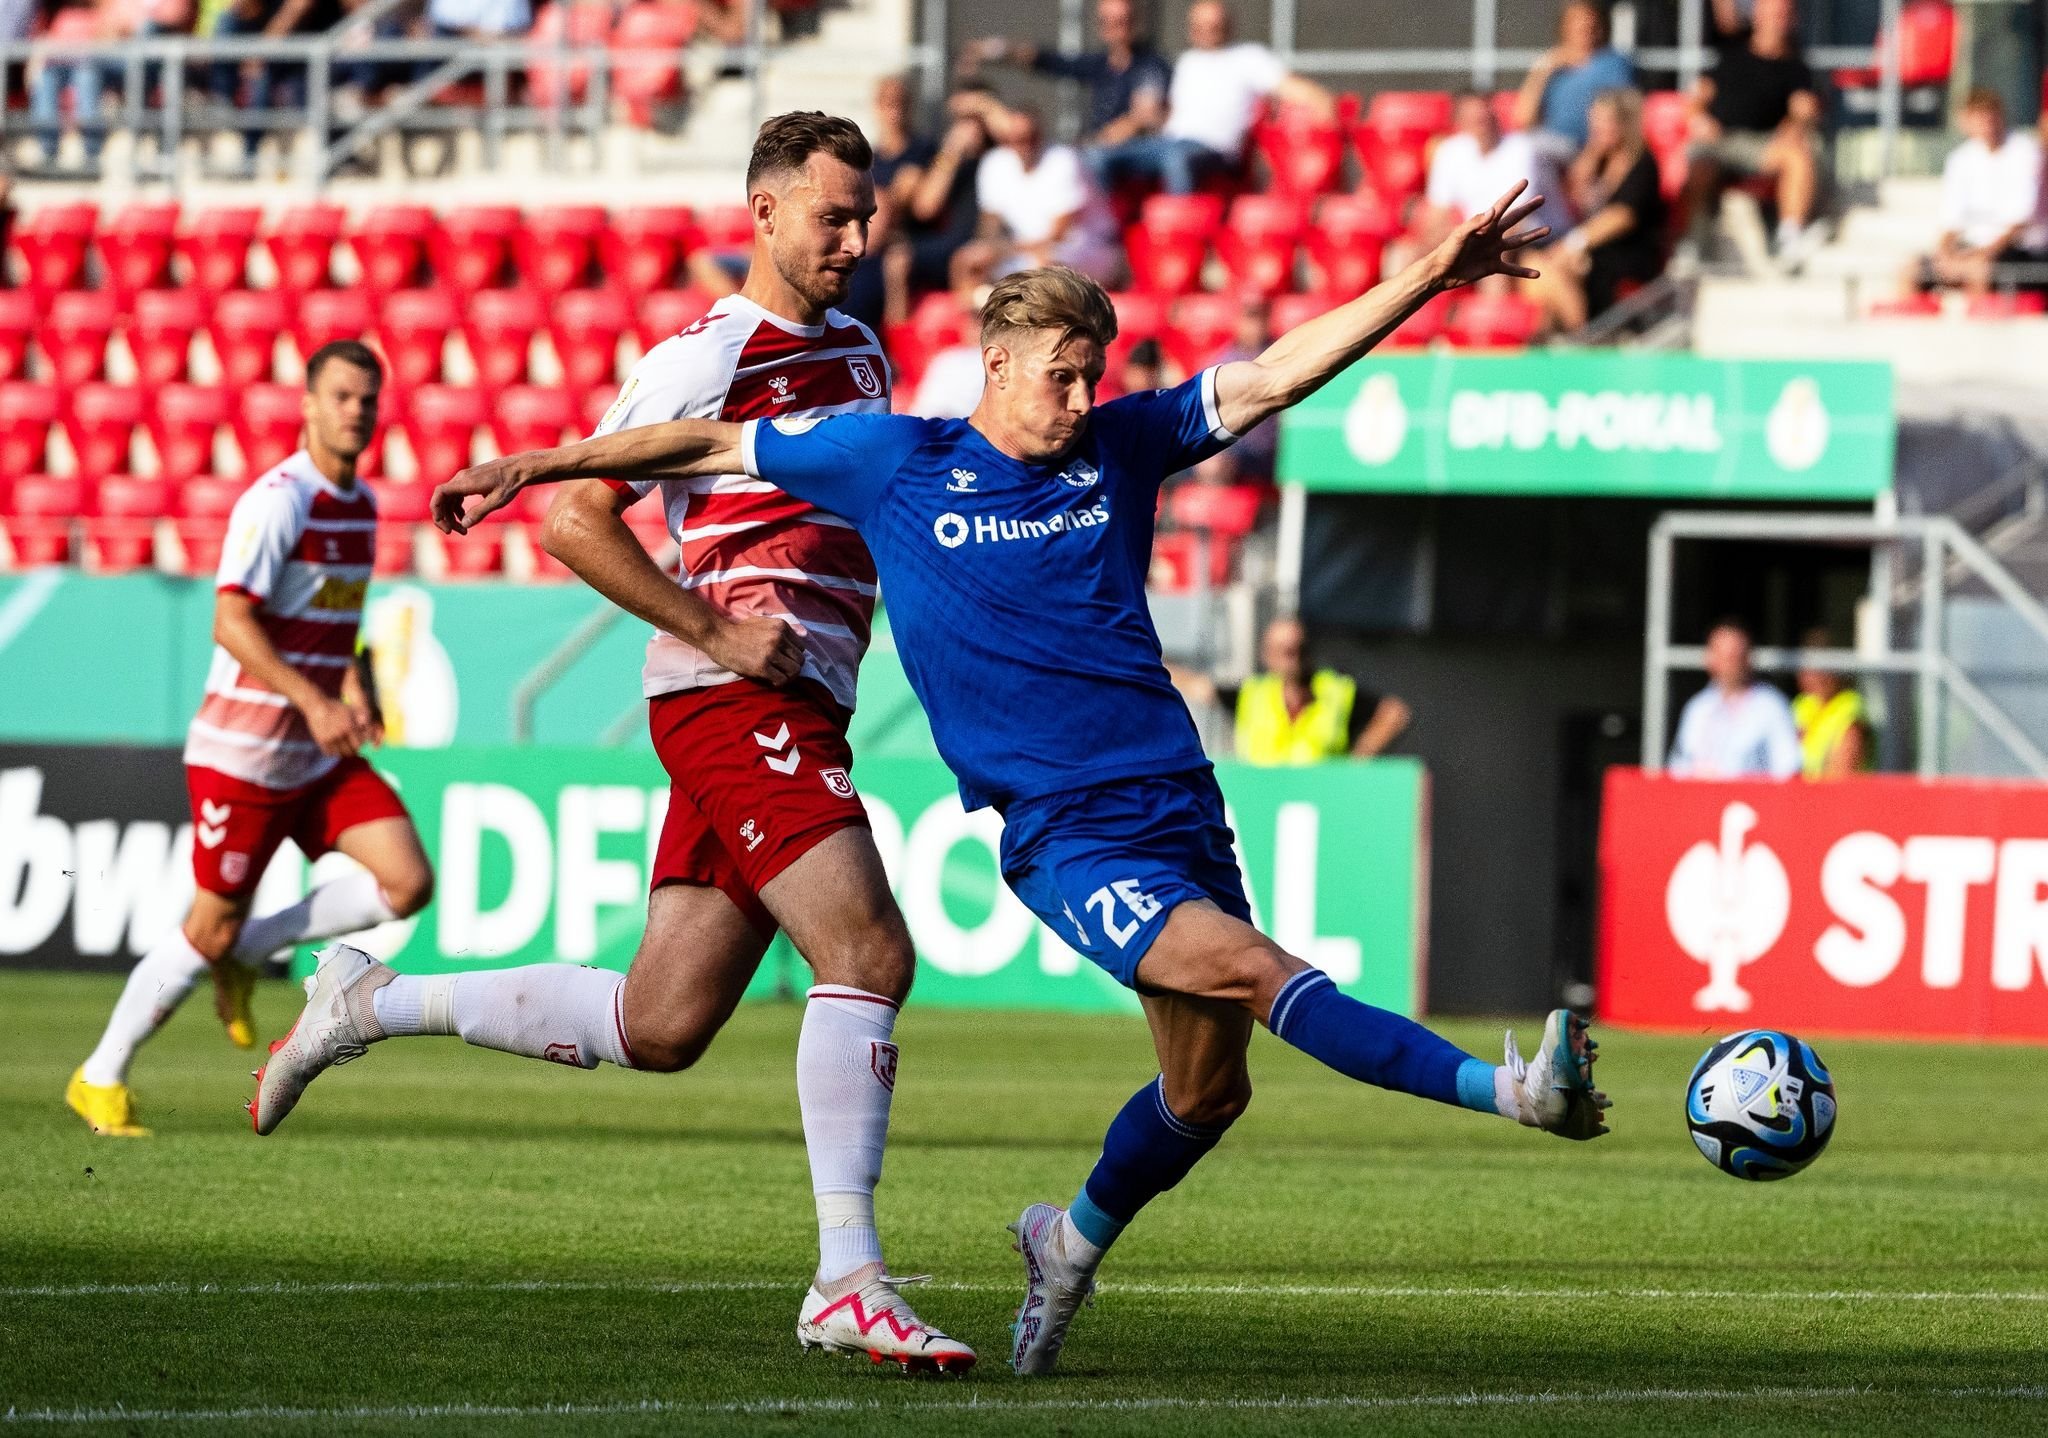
274, 751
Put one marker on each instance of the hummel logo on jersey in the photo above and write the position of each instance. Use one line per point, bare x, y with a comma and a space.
751, 835
1081, 475
780, 384
963, 481
952, 531
774, 743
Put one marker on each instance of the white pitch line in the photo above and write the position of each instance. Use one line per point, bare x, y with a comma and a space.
967, 1407
1149, 1290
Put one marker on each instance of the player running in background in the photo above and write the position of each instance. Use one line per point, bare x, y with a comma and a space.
750, 680
1015, 545
273, 752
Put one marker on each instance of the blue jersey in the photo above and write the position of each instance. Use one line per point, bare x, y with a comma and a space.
1017, 591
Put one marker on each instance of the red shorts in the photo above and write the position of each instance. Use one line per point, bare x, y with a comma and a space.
757, 777
237, 826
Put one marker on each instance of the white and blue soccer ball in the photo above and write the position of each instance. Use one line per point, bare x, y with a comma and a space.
1760, 1105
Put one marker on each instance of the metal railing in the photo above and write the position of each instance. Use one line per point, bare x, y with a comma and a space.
1940, 542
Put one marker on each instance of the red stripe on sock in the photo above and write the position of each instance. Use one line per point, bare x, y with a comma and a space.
853, 994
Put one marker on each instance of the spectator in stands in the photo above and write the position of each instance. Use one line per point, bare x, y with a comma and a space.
267, 84
1127, 79
898, 151
1991, 202
939, 211
1737, 727
1476, 165
1294, 713
1558, 93
1834, 728
478, 19
1144, 369
1620, 239
1040, 205
83, 78
1216, 96
1755, 114
951, 385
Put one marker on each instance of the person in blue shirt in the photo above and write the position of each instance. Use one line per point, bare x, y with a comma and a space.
1014, 546
1557, 96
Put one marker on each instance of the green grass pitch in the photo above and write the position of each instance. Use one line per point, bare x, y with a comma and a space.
445, 1241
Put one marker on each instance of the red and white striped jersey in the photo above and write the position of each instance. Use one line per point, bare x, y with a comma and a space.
302, 549
748, 548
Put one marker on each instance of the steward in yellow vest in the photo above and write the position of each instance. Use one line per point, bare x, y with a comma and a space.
1834, 729
1290, 714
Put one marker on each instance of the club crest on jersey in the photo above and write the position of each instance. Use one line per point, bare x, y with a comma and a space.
234, 867
797, 424
963, 481
780, 384
882, 1059
837, 781
866, 378
1081, 474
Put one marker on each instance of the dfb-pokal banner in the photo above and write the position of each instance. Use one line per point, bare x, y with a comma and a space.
1879, 906
542, 855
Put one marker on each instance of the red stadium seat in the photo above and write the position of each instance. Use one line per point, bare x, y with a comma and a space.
441, 423
596, 401
161, 324
52, 241
1177, 562
43, 512
1899, 307
1170, 240
727, 227
1667, 121
214, 245
2021, 304
390, 245
1927, 47
301, 246
1202, 325
1305, 156
182, 426
1258, 242
499, 331
401, 509
1229, 511
267, 421
244, 331
101, 423
1139, 317
135, 246
471, 245
27, 411
1396, 165
1424, 327
19, 313
663, 314
1504, 104
323, 316
1292, 311
1415, 113
532, 417
75, 331
414, 327
589, 23
647, 44
201, 512
121, 531
640, 246
585, 331
1484, 321
554, 247
936, 322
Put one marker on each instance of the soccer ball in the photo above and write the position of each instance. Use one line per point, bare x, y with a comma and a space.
1760, 1105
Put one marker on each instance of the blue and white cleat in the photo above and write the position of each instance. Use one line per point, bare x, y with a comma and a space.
1554, 1087
1054, 1289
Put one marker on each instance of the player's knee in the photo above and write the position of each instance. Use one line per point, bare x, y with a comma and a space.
1219, 1103
876, 958
409, 890
668, 1049
1248, 971
214, 939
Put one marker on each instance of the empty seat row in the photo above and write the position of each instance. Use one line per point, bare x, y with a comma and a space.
1259, 239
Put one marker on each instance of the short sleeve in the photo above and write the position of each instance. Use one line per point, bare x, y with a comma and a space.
1164, 431
263, 531
1067, 190
1263, 69
674, 380
1443, 174
1153, 76
841, 463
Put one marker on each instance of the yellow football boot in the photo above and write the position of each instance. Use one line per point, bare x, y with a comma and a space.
108, 1109
233, 983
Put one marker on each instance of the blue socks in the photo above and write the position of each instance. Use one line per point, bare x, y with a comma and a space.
1147, 1150
1375, 1046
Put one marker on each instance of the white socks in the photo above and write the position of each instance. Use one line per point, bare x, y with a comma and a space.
340, 906
558, 1012
845, 1077
156, 987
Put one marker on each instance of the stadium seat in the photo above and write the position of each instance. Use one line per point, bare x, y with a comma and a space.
414, 326
440, 424
1489, 321
1418, 114
1228, 511
43, 510
27, 411
663, 314
1898, 307
1139, 317
18, 315
390, 245
554, 247
1396, 165
244, 330
161, 324
1258, 241
401, 510
214, 244
2020, 304
323, 316
936, 323
726, 227
591, 411
1927, 45
589, 23
121, 530
135, 246
1202, 325
585, 329
1177, 562
182, 425
1504, 104
1304, 156
52, 242
471, 245
1170, 240
531, 417
100, 423
1290, 311
647, 44
76, 327
640, 246
267, 421
1345, 241
301, 246
499, 331
1667, 121
200, 511
1424, 327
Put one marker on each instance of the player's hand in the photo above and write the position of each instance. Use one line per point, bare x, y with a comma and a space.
759, 648
337, 729
480, 490
1481, 246
372, 724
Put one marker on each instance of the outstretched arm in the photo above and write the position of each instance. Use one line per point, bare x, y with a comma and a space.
675, 449
1307, 357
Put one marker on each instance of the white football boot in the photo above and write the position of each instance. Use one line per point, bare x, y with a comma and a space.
1554, 1087
338, 1023
873, 1318
1054, 1288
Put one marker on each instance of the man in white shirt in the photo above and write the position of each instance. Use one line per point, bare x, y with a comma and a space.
1737, 727
1991, 195
1217, 93
1465, 164
1046, 203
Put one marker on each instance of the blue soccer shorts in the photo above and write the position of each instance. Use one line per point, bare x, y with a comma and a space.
1104, 867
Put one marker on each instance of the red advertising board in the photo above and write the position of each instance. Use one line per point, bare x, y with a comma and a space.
1882, 906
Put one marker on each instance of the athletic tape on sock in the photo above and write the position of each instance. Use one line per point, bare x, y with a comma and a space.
437, 1004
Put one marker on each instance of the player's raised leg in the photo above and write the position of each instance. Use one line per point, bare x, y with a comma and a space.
396, 883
